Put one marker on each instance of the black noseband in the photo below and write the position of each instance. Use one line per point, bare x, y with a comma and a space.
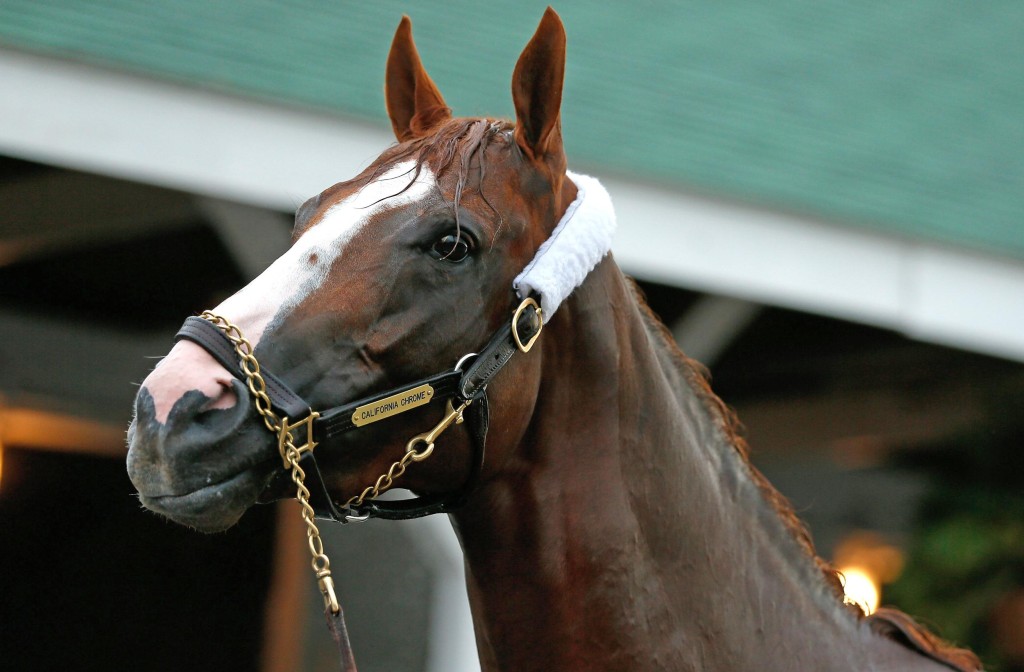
463, 384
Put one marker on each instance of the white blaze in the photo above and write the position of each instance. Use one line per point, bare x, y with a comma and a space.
294, 276
285, 283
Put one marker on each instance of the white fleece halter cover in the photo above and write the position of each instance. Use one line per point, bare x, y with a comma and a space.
582, 238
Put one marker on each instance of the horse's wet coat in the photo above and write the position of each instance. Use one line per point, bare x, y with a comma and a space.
617, 524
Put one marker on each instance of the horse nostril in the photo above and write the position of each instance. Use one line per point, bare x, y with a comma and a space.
195, 422
225, 397
195, 445
189, 368
205, 412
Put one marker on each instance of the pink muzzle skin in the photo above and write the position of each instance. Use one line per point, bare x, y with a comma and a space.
188, 367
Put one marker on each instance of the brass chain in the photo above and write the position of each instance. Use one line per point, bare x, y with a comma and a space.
386, 480
289, 452
452, 416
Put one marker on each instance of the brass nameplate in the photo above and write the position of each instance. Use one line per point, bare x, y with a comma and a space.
393, 405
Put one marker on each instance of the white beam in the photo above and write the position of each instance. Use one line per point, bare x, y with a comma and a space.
711, 325
969, 301
452, 646
254, 236
734, 250
960, 298
213, 144
79, 116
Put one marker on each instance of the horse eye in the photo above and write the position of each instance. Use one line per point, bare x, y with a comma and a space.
451, 247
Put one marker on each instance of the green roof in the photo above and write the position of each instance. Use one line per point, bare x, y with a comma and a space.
904, 117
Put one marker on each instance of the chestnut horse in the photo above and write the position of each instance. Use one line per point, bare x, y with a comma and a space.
616, 523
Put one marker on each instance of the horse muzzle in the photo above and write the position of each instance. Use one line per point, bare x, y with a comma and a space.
200, 466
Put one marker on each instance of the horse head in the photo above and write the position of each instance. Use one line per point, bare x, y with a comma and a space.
392, 275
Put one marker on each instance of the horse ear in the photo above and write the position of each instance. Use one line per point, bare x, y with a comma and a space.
537, 89
413, 101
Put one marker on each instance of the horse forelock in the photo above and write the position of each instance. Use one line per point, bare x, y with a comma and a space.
454, 147
324, 225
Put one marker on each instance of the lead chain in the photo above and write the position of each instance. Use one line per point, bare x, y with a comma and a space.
289, 452
385, 481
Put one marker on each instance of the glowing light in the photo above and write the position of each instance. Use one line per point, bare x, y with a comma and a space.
867, 561
861, 588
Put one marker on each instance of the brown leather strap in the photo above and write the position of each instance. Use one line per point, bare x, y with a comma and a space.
469, 385
339, 633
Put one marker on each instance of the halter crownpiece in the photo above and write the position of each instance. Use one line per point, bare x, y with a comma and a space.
578, 243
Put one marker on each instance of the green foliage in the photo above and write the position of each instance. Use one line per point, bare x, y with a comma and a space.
968, 555
968, 552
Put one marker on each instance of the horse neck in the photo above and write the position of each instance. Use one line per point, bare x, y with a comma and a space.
628, 531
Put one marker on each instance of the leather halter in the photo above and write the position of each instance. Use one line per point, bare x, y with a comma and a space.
462, 384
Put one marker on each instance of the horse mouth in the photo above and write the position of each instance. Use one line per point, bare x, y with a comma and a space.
200, 468
213, 507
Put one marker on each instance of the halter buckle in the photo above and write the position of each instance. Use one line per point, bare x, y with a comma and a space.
527, 302
286, 442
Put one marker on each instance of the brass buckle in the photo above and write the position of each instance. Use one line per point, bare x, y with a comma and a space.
528, 301
285, 440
